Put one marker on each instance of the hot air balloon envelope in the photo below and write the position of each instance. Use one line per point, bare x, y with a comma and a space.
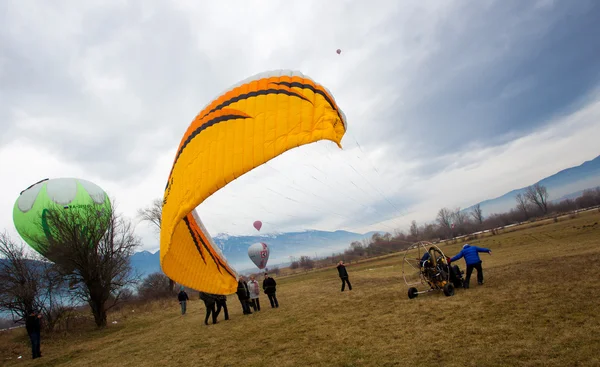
258, 225
30, 207
259, 254
339, 51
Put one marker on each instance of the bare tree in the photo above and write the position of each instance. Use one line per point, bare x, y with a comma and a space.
538, 195
29, 283
356, 246
414, 230
306, 262
53, 295
444, 218
427, 231
589, 198
155, 285
19, 279
522, 205
477, 214
153, 215
93, 252
460, 217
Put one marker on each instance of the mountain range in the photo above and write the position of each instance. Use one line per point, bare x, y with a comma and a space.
283, 248
568, 183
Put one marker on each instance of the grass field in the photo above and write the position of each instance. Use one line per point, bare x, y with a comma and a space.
538, 307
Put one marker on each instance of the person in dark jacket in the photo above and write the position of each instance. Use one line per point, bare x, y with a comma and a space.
222, 303
343, 275
243, 294
182, 297
209, 301
471, 255
270, 288
33, 326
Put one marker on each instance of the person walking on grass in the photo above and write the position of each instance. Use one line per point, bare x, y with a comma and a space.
182, 297
222, 303
33, 327
254, 289
471, 255
209, 302
270, 289
343, 275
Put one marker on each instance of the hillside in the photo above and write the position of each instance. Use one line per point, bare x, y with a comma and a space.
565, 183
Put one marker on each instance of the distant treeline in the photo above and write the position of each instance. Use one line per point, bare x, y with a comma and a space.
533, 204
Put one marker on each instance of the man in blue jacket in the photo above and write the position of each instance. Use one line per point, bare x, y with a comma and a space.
471, 255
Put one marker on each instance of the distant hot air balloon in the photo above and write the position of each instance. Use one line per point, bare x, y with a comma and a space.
259, 254
339, 51
258, 225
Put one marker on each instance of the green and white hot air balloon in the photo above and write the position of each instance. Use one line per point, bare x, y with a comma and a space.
30, 209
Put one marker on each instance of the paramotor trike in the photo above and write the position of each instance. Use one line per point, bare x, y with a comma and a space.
425, 264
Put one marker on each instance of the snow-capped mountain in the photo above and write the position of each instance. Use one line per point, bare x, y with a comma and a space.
283, 248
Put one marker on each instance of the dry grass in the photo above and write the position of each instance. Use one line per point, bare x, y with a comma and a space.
537, 308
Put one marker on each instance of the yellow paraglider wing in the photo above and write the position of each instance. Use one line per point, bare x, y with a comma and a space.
253, 122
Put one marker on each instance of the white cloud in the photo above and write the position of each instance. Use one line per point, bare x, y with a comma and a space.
492, 172
446, 104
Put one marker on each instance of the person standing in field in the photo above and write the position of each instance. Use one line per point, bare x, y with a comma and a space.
33, 327
270, 289
341, 268
471, 255
243, 294
254, 289
182, 297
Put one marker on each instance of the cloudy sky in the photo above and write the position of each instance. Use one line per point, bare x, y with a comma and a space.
448, 103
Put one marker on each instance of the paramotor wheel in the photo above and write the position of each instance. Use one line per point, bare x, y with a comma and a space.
412, 292
448, 289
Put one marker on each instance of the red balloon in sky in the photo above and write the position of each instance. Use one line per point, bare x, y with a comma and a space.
339, 51
258, 225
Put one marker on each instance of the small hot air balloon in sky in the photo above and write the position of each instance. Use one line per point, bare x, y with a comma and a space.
258, 225
338, 51
259, 254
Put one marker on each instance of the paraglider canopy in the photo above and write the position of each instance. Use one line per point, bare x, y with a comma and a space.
254, 121
258, 225
259, 254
